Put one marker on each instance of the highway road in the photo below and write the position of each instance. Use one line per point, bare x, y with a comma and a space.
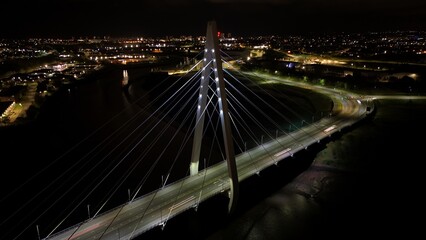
156, 208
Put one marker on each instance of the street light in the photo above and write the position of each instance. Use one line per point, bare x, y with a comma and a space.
38, 232
88, 210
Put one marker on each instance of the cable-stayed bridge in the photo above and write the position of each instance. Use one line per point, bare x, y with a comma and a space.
216, 107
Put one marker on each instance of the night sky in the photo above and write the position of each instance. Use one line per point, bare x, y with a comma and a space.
74, 18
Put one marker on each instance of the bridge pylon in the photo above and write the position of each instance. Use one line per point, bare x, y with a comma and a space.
212, 65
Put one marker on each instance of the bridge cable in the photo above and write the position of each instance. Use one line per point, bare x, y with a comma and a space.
160, 106
280, 114
164, 149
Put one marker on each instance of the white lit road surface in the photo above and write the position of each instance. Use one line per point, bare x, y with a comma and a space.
154, 209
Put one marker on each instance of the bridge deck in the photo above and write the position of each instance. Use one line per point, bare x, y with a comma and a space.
154, 209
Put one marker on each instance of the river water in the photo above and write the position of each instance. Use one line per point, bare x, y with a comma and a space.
52, 166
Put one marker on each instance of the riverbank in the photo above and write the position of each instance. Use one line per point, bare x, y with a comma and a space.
31, 101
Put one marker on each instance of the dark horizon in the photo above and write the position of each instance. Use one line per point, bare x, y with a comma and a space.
130, 18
